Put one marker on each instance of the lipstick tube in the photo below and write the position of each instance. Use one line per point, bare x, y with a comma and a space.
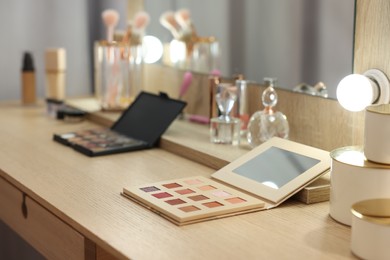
55, 62
28, 80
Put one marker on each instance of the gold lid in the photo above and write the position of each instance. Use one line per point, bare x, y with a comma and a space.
375, 211
354, 156
379, 109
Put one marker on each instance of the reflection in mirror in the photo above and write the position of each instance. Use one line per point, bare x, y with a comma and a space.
301, 42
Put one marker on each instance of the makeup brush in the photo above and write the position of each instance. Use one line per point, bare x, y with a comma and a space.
183, 18
188, 32
110, 19
141, 20
168, 20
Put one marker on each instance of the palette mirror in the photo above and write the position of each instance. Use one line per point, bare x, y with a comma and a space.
301, 41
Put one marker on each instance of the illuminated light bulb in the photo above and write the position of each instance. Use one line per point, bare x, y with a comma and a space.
177, 51
152, 49
355, 92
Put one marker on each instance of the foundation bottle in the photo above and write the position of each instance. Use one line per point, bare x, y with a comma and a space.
28, 80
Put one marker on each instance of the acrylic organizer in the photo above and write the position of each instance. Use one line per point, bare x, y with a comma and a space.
118, 73
205, 55
200, 54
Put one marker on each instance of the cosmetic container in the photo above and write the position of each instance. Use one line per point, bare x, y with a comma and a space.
225, 129
376, 133
28, 80
118, 74
268, 122
205, 55
370, 231
353, 179
241, 108
55, 62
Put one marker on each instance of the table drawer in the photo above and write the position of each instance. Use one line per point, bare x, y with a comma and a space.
45, 232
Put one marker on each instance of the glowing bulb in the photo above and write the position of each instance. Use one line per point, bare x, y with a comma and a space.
152, 49
177, 51
355, 92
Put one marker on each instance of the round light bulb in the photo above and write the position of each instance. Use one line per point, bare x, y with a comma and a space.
177, 51
152, 49
355, 92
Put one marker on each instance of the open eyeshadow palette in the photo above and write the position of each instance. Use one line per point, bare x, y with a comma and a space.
261, 179
139, 127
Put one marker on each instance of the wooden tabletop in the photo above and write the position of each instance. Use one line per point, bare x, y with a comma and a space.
84, 192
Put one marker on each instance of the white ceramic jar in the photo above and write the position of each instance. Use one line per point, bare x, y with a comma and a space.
377, 133
371, 229
354, 178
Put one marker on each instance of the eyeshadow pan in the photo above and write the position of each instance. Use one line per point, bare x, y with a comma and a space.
185, 191
198, 197
162, 195
149, 189
212, 204
235, 200
207, 187
193, 181
171, 185
221, 194
189, 208
175, 202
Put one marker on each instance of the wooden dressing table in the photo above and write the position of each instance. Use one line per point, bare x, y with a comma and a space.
68, 206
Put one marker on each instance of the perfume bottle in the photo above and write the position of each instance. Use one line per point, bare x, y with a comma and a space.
267, 123
225, 129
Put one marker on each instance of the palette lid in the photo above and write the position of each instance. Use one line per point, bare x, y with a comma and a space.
276, 169
148, 117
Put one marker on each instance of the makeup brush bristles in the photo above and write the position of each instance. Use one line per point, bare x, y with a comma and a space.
168, 20
141, 20
110, 19
183, 18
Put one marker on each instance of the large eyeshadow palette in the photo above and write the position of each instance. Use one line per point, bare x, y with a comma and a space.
100, 141
261, 179
194, 199
139, 127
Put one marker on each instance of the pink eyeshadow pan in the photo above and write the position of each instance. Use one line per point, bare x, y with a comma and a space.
171, 185
185, 191
193, 182
221, 194
235, 200
175, 202
162, 195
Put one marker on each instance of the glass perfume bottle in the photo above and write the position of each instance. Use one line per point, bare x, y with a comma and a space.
225, 129
267, 123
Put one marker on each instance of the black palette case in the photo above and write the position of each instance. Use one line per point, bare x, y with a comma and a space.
139, 127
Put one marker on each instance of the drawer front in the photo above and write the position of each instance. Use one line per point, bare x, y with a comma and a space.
45, 232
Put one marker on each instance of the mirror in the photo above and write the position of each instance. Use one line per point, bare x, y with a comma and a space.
301, 41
